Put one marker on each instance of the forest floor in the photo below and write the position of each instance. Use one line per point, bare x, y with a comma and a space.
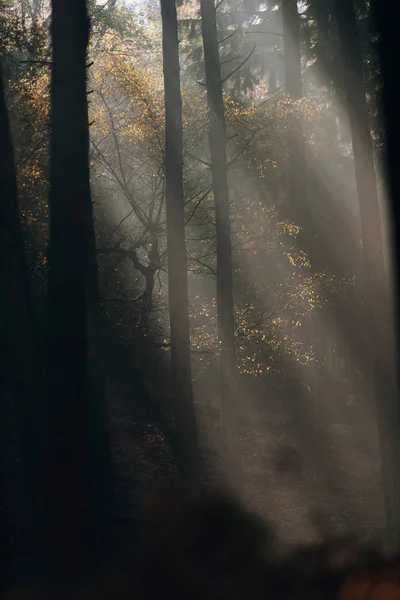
348, 500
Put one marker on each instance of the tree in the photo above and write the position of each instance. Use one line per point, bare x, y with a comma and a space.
73, 523
17, 326
219, 169
330, 214
185, 419
377, 300
299, 211
389, 51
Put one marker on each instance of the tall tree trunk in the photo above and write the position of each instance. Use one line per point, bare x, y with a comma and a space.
389, 50
225, 308
377, 297
17, 327
297, 163
36, 9
301, 213
100, 454
389, 54
72, 519
290, 25
346, 260
182, 389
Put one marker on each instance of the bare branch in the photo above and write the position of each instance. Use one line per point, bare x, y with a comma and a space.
196, 206
242, 150
228, 36
124, 300
119, 224
43, 63
203, 264
228, 60
266, 33
100, 8
192, 350
132, 254
239, 66
203, 162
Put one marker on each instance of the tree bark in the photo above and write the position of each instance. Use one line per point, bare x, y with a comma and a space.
389, 51
17, 330
72, 436
302, 214
225, 306
377, 294
100, 455
184, 410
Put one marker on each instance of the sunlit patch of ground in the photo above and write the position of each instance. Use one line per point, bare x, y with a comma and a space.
350, 501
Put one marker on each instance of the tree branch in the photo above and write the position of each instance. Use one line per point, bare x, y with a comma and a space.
228, 60
43, 63
228, 36
132, 254
266, 33
192, 350
239, 66
203, 162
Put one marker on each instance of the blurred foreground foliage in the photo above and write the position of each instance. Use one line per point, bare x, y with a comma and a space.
213, 548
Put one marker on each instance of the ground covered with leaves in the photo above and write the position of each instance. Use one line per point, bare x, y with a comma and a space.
201, 550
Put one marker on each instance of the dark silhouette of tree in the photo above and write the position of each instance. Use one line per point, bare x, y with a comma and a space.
19, 358
75, 427
377, 298
219, 169
182, 391
299, 209
345, 260
389, 50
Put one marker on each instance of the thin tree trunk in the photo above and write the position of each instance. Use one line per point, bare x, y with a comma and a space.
69, 502
290, 24
300, 212
225, 307
185, 418
297, 163
36, 9
377, 296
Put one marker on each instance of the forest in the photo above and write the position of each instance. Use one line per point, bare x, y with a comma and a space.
199, 302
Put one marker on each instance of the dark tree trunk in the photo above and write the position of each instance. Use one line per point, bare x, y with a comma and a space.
19, 357
182, 390
377, 297
100, 455
297, 162
344, 260
225, 307
302, 215
389, 49
290, 23
297, 172
74, 432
